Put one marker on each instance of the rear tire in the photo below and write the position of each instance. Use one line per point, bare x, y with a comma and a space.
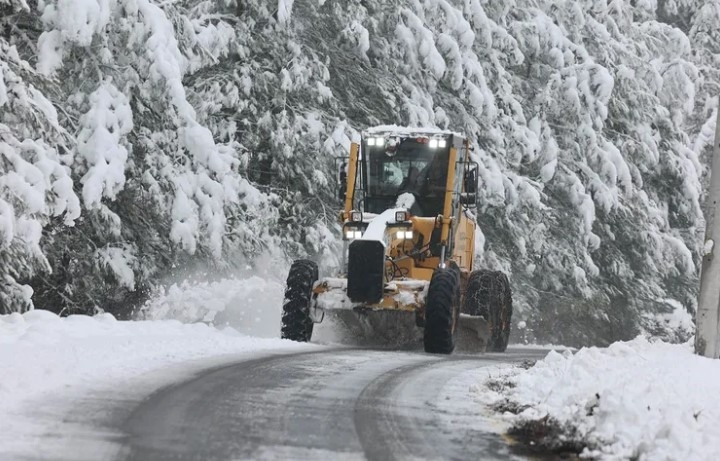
488, 295
440, 312
296, 322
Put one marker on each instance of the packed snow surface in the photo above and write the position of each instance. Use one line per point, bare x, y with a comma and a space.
633, 400
48, 360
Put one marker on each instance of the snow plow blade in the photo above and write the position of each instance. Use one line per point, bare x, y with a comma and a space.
382, 328
393, 322
397, 329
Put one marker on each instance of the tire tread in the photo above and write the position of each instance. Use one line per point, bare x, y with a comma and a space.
296, 322
442, 298
489, 295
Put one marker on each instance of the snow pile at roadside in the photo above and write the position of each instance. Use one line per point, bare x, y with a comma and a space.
250, 305
42, 354
632, 400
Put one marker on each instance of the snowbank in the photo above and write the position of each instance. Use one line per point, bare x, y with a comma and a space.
632, 400
48, 364
251, 305
40, 351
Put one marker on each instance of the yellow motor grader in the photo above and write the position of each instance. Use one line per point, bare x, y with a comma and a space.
409, 233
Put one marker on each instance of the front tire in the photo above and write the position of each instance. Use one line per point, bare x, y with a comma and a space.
296, 322
488, 295
440, 312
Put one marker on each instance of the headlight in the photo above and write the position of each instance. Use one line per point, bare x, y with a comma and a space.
371, 141
352, 234
435, 143
401, 216
356, 216
403, 234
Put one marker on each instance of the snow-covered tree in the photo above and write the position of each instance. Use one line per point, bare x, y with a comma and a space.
158, 192
35, 158
171, 135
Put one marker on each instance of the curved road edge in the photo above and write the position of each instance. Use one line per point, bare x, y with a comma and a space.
339, 403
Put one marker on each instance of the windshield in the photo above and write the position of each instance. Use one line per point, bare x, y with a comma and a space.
408, 166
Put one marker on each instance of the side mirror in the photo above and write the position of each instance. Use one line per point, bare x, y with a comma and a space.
342, 181
471, 181
468, 199
470, 185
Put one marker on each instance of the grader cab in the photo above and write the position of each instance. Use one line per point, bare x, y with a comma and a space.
409, 243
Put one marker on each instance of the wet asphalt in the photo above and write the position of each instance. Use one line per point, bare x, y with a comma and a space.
332, 404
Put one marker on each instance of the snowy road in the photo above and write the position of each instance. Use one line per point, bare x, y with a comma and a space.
327, 404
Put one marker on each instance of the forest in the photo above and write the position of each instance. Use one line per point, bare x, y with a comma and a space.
143, 141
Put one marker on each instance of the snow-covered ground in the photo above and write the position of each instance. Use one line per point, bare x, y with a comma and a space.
50, 364
60, 377
633, 400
